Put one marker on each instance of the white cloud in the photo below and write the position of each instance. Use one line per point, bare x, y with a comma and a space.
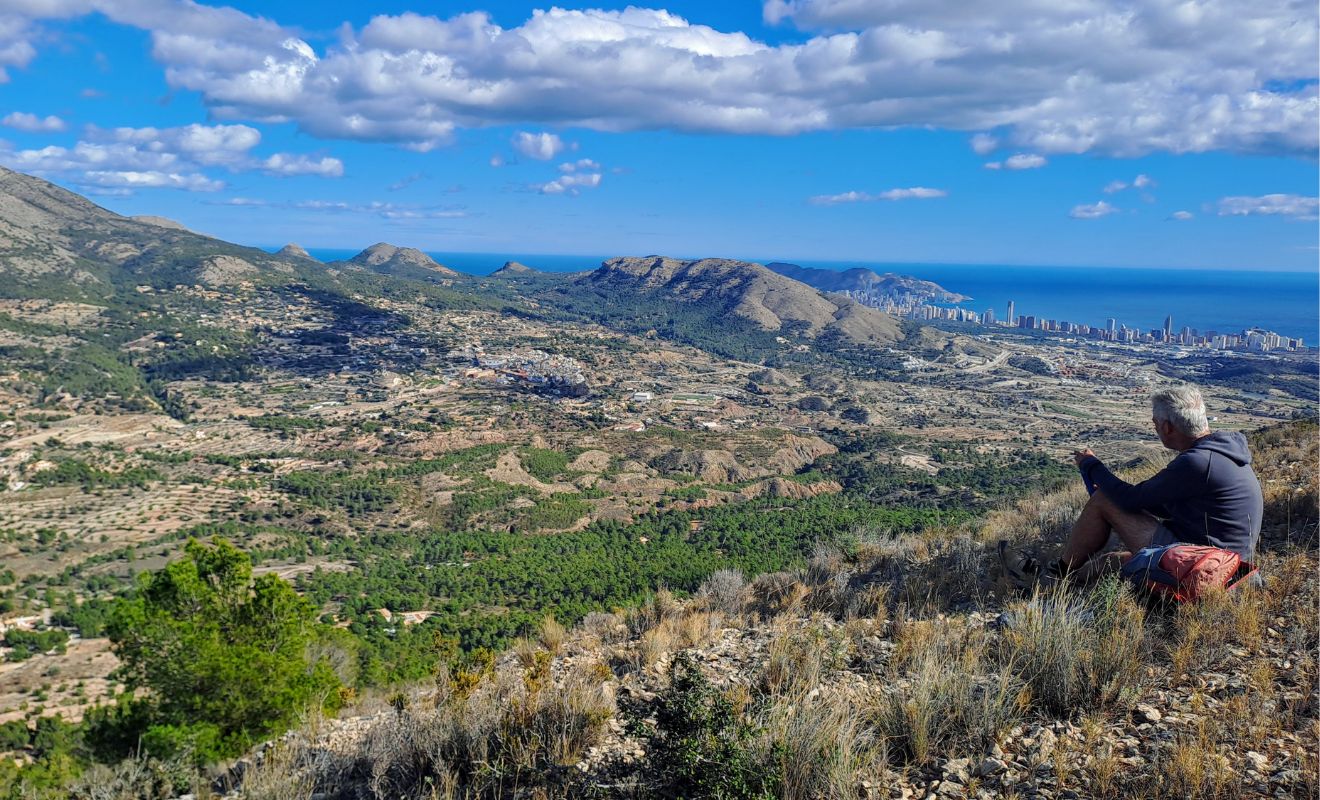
288, 164
994, 165
1293, 206
1122, 77
1025, 161
391, 211
1142, 181
128, 158
983, 144
1092, 210
497, 161
570, 184
31, 123
540, 146
1181, 216
913, 193
130, 179
583, 164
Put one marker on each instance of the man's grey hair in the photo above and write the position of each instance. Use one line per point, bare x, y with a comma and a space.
1182, 406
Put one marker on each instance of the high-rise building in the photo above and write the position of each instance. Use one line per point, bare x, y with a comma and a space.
989, 318
1168, 327
1111, 325
1011, 319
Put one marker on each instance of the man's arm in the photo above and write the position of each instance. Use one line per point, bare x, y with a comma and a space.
1179, 479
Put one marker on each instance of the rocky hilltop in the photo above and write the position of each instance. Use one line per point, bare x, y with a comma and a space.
513, 269
391, 260
751, 291
294, 250
860, 279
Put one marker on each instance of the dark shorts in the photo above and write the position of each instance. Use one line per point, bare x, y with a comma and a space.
1162, 536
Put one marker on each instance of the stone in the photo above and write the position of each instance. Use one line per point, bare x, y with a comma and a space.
1148, 712
990, 766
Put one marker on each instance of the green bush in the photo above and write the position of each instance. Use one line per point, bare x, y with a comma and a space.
700, 746
223, 655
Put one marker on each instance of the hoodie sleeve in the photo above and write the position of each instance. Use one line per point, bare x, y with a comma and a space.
1180, 479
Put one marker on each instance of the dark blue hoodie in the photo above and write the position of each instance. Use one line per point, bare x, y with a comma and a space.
1208, 494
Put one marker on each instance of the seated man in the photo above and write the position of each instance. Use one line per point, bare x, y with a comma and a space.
1207, 495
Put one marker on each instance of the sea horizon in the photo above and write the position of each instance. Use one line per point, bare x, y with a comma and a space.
1222, 300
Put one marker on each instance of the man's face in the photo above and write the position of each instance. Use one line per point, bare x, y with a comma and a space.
1162, 429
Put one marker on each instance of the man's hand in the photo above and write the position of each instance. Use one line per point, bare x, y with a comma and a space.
1081, 455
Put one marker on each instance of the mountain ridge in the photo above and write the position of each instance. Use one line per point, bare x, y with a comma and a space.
747, 290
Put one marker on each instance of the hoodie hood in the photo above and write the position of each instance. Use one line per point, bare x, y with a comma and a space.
1229, 444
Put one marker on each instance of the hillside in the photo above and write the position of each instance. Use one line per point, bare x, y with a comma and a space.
55, 244
896, 667
860, 279
749, 291
387, 259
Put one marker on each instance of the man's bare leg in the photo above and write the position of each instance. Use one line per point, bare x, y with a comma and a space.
1091, 532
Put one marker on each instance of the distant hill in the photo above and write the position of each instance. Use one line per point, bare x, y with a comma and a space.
512, 268
292, 250
59, 245
860, 279
388, 259
743, 289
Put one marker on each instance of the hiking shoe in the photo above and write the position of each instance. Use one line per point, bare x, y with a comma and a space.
1050, 577
1021, 569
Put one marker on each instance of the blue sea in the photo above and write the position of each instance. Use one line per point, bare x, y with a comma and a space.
1226, 301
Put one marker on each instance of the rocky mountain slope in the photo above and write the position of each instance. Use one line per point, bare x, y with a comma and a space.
57, 244
388, 259
904, 668
750, 291
860, 279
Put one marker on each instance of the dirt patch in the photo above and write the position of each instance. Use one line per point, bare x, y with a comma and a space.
509, 469
73, 682
591, 461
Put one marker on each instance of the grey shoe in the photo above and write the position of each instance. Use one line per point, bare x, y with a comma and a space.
1021, 569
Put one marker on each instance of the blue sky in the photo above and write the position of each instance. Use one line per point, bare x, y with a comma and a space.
1142, 133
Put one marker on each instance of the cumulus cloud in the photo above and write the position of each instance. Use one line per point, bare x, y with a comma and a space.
1092, 210
1292, 206
286, 164
31, 123
128, 158
1025, 161
1142, 181
1105, 76
132, 179
582, 164
570, 183
913, 193
983, 144
1181, 216
540, 146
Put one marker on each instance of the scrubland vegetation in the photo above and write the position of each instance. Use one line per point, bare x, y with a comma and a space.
891, 661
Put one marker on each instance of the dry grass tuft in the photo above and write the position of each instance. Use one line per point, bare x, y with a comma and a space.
1077, 652
800, 657
551, 635
821, 746
945, 694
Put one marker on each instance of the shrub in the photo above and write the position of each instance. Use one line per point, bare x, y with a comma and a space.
724, 591
700, 746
